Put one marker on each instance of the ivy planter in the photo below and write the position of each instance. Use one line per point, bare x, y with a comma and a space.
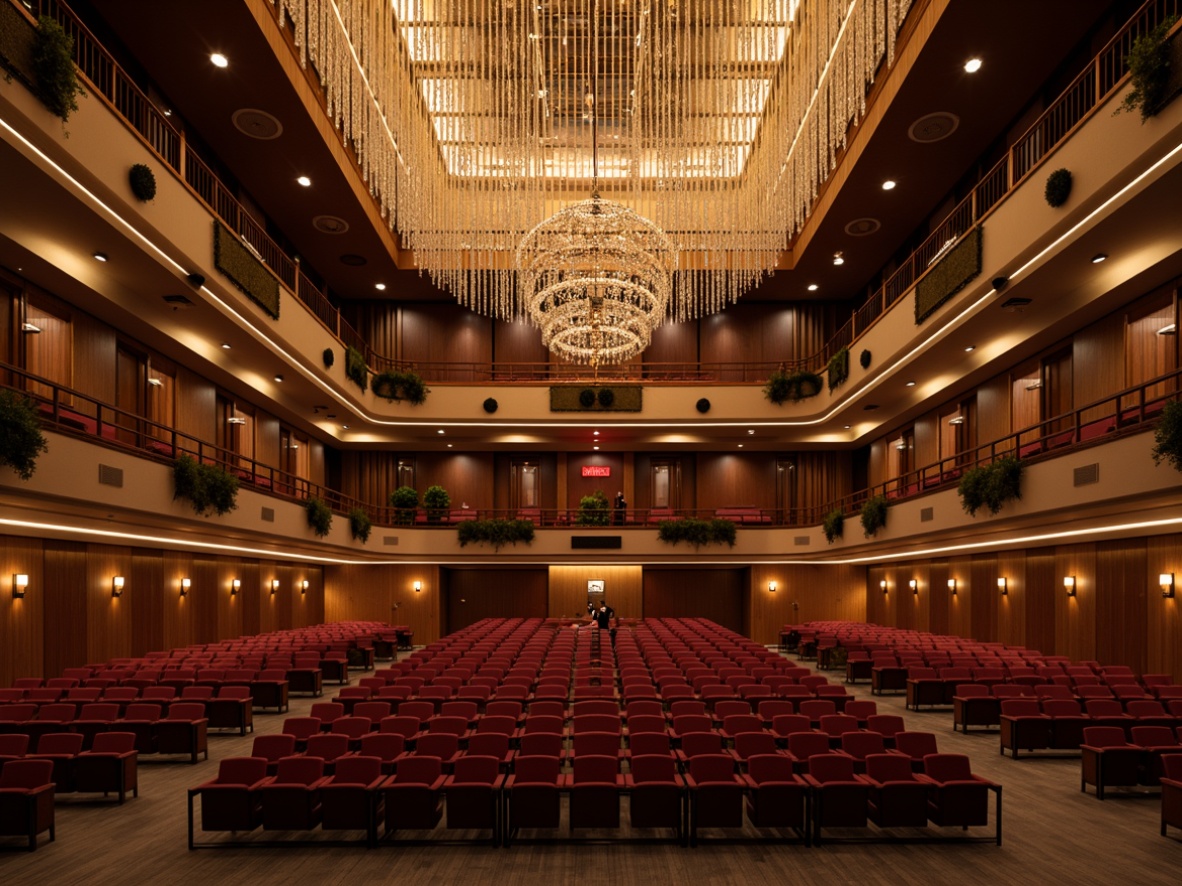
1058, 188
407, 385
1150, 62
838, 368
206, 487
874, 514
1167, 437
697, 532
436, 501
360, 525
594, 510
990, 486
495, 532
56, 80
21, 440
355, 369
319, 516
405, 501
142, 181
833, 526
794, 386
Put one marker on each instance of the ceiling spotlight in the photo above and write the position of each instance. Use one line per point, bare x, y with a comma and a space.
596, 448
102, 256
225, 346
847, 427
595, 433
279, 378
889, 185
750, 432
972, 66
740, 445
440, 431
970, 349
219, 60
812, 287
346, 427
910, 384
380, 287
304, 181
1096, 259
838, 259
449, 445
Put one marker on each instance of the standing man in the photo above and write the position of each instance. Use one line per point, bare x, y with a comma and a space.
621, 507
604, 617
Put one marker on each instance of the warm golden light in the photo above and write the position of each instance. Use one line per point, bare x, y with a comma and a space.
185, 585
304, 586
1003, 586
274, 586
418, 586
1166, 581
952, 586
771, 586
20, 583
1069, 585
235, 586
117, 586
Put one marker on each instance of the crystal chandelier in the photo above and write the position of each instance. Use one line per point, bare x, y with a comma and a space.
718, 120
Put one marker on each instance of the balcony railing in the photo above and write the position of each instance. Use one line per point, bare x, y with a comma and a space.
72, 412
1086, 93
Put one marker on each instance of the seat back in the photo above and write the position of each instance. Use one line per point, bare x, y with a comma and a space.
1104, 707
448, 725
748, 744
694, 744
503, 708
769, 767
1021, 707
736, 723
186, 710
476, 769
916, 745
863, 744
489, 744
1145, 708
947, 767
327, 746
299, 770
540, 744
534, 723
596, 768
815, 708
685, 725
417, 770
653, 767
536, 770
13, 744
444, 745
273, 747
648, 743
26, 774
786, 724
327, 711
805, 745
888, 767
1061, 707
241, 770
1155, 737
687, 707
101, 711
362, 769
383, 745
113, 743
712, 767
61, 743
831, 767
860, 709
1104, 736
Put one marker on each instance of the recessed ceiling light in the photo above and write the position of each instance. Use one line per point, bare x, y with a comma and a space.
972, 66
449, 446
346, 427
219, 60
889, 185
440, 431
847, 427
740, 445
102, 256
380, 287
750, 431
304, 181
838, 259
812, 287
596, 448
595, 433
910, 384
970, 348
279, 378
1096, 259
225, 346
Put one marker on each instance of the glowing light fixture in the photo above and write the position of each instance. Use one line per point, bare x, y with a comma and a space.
1069, 585
186, 583
304, 182
882, 584
972, 66
1003, 585
274, 586
20, 584
771, 586
219, 60
235, 587
418, 586
117, 586
304, 586
1166, 581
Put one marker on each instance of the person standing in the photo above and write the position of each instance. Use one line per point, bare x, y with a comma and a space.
621, 508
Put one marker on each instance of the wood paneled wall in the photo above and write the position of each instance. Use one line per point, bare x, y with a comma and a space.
475, 594
1117, 616
731, 479
803, 593
623, 590
386, 594
716, 594
69, 617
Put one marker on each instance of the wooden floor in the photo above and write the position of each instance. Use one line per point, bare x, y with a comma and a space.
1053, 834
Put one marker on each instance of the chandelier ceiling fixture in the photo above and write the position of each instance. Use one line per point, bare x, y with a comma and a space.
717, 120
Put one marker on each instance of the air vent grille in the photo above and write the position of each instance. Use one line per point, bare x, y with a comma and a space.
109, 476
390, 540
268, 515
927, 515
800, 540
1087, 474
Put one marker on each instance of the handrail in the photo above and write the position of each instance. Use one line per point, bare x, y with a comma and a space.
1094, 85
75, 413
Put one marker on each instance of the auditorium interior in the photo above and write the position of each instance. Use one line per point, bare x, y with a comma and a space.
863, 252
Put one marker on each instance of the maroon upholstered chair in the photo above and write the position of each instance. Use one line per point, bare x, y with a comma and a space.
803, 746
13, 746
1157, 742
840, 798
859, 746
898, 797
594, 789
1171, 792
183, 731
473, 794
656, 793
109, 767
1108, 760
349, 799
532, 795
328, 748
232, 708
230, 802
291, 797
715, 793
273, 748
412, 795
915, 746
958, 797
1067, 722
1024, 725
26, 800
776, 796
60, 748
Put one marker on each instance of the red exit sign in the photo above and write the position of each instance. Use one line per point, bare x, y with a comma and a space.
596, 471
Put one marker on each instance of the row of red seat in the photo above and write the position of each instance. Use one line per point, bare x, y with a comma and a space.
107, 766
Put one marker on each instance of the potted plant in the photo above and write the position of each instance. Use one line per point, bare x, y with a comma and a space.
206, 487
360, 525
833, 525
990, 486
142, 181
21, 440
972, 489
1058, 188
405, 501
355, 369
697, 532
496, 532
593, 509
436, 501
838, 368
1149, 66
874, 515
319, 516
1167, 436
794, 386
405, 385
53, 66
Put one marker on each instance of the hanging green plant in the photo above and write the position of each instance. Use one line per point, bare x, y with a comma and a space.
405, 385
874, 514
593, 509
838, 369
991, 486
21, 440
1149, 66
864, 359
319, 516
833, 525
405, 501
1167, 436
360, 525
142, 181
355, 369
794, 386
1058, 187
53, 67
436, 501
206, 487
329, 357
496, 532
697, 532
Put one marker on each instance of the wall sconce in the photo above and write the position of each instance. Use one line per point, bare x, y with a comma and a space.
914, 585
117, 586
952, 586
882, 584
20, 583
1069, 585
418, 586
185, 585
235, 586
304, 586
771, 586
274, 586
1003, 586
1166, 580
